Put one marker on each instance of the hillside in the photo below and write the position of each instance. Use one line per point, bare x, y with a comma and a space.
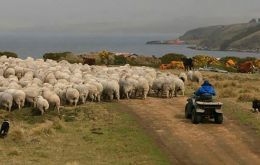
245, 36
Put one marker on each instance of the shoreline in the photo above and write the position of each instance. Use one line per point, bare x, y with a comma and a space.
238, 51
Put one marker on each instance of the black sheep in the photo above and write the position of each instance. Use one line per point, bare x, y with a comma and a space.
256, 105
4, 128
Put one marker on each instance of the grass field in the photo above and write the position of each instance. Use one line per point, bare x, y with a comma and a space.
91, 134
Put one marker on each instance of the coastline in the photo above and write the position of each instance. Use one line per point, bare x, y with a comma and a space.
230, 50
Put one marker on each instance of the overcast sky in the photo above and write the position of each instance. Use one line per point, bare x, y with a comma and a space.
122, 16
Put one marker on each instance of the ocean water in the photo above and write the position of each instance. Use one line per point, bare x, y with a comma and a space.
37, 44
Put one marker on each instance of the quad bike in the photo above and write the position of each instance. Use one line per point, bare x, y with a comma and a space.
196, 109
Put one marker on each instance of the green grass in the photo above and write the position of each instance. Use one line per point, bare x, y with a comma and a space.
93, 134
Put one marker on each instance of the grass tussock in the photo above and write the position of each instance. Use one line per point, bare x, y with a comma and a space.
246, 97
14, 151
17, 133
72, 163
45, 129
227, 93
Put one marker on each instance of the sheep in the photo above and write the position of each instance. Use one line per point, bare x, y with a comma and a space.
31, 94
18, 96
195, 76
42, 104
8, 72
157, 85
183, 77
99, 88
142, 87
72, 95
127, 86
179, 86
61, 82
6, 100
83, 92
92, 91
52, 98
19, 72
111, 89
168, 88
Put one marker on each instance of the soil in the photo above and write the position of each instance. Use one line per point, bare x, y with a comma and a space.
187, 143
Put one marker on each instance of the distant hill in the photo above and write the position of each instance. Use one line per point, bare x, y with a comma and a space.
244, 36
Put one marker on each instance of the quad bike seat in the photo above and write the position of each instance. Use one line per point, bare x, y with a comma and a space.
204, 98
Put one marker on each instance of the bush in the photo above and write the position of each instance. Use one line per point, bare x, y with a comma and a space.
167, 58
120, 60
204, 60
55, 56
9, 54
223, 60
68, 56
144, 61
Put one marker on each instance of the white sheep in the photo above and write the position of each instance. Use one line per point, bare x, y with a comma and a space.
6, 100
8, 72
72, 95
179, 86
42, 104
183, 77
92, 91
142, 87
52, 98
32, 93
111, 89
83, 91
195, 76
18, 96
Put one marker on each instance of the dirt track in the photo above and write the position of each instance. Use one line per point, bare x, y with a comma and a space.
186, 143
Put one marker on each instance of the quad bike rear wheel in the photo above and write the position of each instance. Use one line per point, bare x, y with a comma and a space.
218, 118
196, 117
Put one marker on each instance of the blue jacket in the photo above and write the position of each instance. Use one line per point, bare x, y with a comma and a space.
206, 88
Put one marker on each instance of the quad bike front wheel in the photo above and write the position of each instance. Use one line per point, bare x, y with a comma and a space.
188, 111
218, 118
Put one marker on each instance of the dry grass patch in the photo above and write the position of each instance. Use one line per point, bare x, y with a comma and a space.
42, 129
246, 97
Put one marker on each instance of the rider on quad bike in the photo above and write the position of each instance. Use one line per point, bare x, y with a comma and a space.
205, 92
201, 105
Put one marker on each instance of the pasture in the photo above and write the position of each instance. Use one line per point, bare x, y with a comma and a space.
90, 134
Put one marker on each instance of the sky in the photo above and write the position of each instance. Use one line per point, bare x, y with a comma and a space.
121, 16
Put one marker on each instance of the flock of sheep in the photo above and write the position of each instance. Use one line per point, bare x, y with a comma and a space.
40, 83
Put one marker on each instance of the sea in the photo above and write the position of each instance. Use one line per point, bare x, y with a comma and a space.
35, 45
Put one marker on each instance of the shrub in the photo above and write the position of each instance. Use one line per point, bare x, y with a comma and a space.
167, 58
120, 60
68, 56
9, 54
204, 60
106, 57
55, 56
